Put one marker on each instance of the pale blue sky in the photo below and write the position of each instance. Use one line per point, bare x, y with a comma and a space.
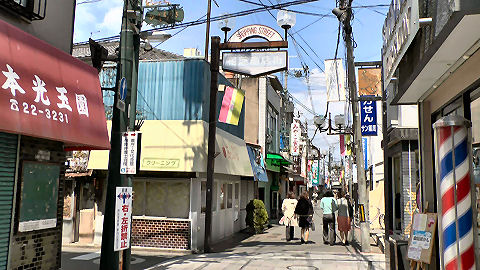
102, 19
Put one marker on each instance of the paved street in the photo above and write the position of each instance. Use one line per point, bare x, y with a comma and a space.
270, 251
87, 258
263, 251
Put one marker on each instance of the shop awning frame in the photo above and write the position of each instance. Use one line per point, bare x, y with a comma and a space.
278, 159
451, 48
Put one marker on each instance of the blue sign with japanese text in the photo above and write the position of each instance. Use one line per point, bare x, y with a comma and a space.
368, 113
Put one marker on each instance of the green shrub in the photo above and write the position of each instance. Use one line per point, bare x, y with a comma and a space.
257, 216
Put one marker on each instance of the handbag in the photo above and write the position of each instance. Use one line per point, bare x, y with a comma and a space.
282, 221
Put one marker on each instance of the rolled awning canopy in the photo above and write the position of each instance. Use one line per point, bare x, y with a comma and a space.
181, 146
46, 93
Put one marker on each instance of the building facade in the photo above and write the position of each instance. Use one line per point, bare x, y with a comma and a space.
435, 66
49, 105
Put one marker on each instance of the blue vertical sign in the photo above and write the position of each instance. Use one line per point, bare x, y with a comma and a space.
368, 113
365, 151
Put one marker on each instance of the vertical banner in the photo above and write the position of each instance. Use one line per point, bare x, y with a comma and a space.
453, 170
128, 158
315, 173
123, 218
342, 145
348, 145
368, 115
295, 133
369, 82
232, 104
335, 77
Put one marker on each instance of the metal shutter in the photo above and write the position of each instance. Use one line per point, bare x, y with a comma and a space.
8, 156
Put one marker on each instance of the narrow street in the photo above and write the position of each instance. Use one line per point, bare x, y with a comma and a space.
262, 251
271, 251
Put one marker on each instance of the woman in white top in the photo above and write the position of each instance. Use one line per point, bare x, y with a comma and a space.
288, 219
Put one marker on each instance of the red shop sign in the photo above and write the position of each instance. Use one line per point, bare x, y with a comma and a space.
47, 93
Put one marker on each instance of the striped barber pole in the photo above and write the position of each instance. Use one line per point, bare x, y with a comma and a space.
453, 170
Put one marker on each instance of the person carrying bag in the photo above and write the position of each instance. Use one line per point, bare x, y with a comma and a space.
289, 219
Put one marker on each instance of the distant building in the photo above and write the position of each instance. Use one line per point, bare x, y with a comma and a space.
170, 186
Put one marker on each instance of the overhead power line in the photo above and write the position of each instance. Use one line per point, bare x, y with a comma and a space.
216, 18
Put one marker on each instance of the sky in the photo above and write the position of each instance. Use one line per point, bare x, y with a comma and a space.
316, 34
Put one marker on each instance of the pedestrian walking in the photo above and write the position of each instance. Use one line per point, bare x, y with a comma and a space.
304, 211
343, 217
289, 220
329, 206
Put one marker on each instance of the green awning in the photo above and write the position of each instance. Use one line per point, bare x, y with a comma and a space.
278, 159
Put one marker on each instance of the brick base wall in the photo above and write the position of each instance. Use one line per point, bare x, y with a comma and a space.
40, 249
162, 233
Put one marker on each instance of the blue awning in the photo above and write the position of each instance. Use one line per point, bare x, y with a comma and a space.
258, 168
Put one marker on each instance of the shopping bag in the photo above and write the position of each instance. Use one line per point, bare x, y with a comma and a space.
282, 221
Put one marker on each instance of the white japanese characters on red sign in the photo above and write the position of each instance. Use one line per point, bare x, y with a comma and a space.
123, 220
128, 159
295, 133
46, 93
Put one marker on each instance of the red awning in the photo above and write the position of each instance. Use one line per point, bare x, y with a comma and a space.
49, 94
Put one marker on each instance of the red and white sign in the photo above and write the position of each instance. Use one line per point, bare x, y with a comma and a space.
128, 158
123, 218
295, 134
255, 31
47, 93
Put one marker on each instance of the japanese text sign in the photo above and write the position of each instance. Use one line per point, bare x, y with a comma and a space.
47, 93
368, 113
123, 214
128, 157
295, 133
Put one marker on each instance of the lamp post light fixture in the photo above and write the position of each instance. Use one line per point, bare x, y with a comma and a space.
286, 20
338, 128
226, 25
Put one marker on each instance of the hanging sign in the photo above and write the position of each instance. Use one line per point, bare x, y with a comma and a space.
368, 113
255, 63
123, 218
335, 77
255, 31
295, 133
128, 158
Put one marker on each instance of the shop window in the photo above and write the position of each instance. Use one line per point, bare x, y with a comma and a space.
28, 9
222, 196
161, 198
204, 196
214, 196
229, 196
475, 118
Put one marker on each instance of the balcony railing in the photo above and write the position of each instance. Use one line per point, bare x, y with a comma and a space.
28, 9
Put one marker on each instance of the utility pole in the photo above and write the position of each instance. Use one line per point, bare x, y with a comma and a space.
121, 121
362, 184
207, 32
212, 125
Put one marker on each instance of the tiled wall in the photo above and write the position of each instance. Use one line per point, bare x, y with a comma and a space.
40, 249
161, 233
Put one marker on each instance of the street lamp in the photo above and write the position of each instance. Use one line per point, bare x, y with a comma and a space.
338, 128
286, 20
226, 25
153, 37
